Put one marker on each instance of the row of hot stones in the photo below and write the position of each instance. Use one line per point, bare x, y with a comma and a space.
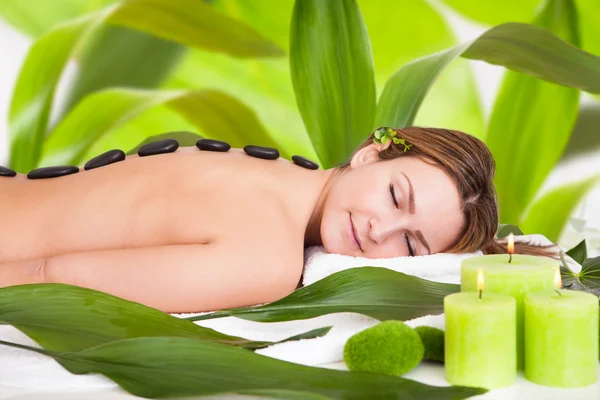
158, 147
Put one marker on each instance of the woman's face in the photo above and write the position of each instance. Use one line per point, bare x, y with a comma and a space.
425, 217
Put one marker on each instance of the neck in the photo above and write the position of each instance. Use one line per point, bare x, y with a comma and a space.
312, 234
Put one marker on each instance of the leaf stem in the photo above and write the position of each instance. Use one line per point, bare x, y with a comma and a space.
25, 347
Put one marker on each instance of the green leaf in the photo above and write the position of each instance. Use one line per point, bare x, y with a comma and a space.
531, 123
505, 229
119, 56
176, 367
567, 275
371, 291
392, 48
587, 280
584, 139
521, 47
34, 17
550, 213
183, 137
263, 84
70, 318
332, 73
189, 23
579, 252
216, 114
589, 22
492, 13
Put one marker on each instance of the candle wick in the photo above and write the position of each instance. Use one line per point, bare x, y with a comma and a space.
558, 291
509, 258
480, 292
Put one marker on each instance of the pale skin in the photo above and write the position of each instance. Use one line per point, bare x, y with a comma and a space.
196, 231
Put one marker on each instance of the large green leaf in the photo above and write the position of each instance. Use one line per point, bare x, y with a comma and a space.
217, 114
264, 84
579, 252
377, 292
494, 13
34, 17
332, 72
119, 56
531, 123
395, 46
70, 318
520, 47
589, 22
584, 137
550, 213
173, 367
189, 23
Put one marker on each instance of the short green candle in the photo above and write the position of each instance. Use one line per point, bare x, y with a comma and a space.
523, 274
480, 347
561, 338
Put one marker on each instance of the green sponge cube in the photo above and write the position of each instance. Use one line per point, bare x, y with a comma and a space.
390, 348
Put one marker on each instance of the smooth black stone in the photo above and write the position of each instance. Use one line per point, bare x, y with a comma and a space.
4, 171
304, 162
160, 147
267, 153
111, 156
52, 172
213, 145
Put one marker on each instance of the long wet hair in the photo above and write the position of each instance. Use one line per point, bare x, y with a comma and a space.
470, 164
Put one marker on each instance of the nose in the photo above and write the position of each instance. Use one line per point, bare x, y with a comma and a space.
380, 230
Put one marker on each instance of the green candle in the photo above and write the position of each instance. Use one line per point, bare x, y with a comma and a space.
480, 342
523, 274
561, 338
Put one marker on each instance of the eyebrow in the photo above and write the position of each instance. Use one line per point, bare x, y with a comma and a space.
411, 210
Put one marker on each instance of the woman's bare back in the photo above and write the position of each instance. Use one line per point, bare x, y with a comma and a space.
188, 202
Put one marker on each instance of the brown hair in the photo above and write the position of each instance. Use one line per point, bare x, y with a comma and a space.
470, 164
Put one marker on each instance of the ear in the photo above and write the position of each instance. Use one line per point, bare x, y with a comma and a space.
368, 154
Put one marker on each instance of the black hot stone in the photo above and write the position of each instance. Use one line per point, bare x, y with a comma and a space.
111, 156
304, 162
52, 172
213, 145
268, 153
160, 147
7, 171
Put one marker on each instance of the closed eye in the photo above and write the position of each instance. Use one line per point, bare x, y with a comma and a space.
411, 250
393, 193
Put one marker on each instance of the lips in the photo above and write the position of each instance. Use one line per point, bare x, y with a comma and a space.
354, 235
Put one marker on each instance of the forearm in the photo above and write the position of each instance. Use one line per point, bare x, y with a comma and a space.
22, 272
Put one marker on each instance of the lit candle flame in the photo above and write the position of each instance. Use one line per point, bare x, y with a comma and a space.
511, 243
557, 279
480, 284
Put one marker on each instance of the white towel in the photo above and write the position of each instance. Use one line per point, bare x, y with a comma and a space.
26, 369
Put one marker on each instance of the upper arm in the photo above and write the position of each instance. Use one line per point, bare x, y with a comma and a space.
178, 278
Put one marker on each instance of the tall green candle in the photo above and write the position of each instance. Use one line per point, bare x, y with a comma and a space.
561, 338
480, 345
523, 274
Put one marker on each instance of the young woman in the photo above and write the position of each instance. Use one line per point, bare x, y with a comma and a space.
195, 230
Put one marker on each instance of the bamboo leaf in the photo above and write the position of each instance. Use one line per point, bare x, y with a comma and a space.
70, 318
505, 229
579, 252
520, 47
332, 74
550, 213
189, 23
172, 367
372, 291
394, 47
216, 114
491, 13
531, 123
